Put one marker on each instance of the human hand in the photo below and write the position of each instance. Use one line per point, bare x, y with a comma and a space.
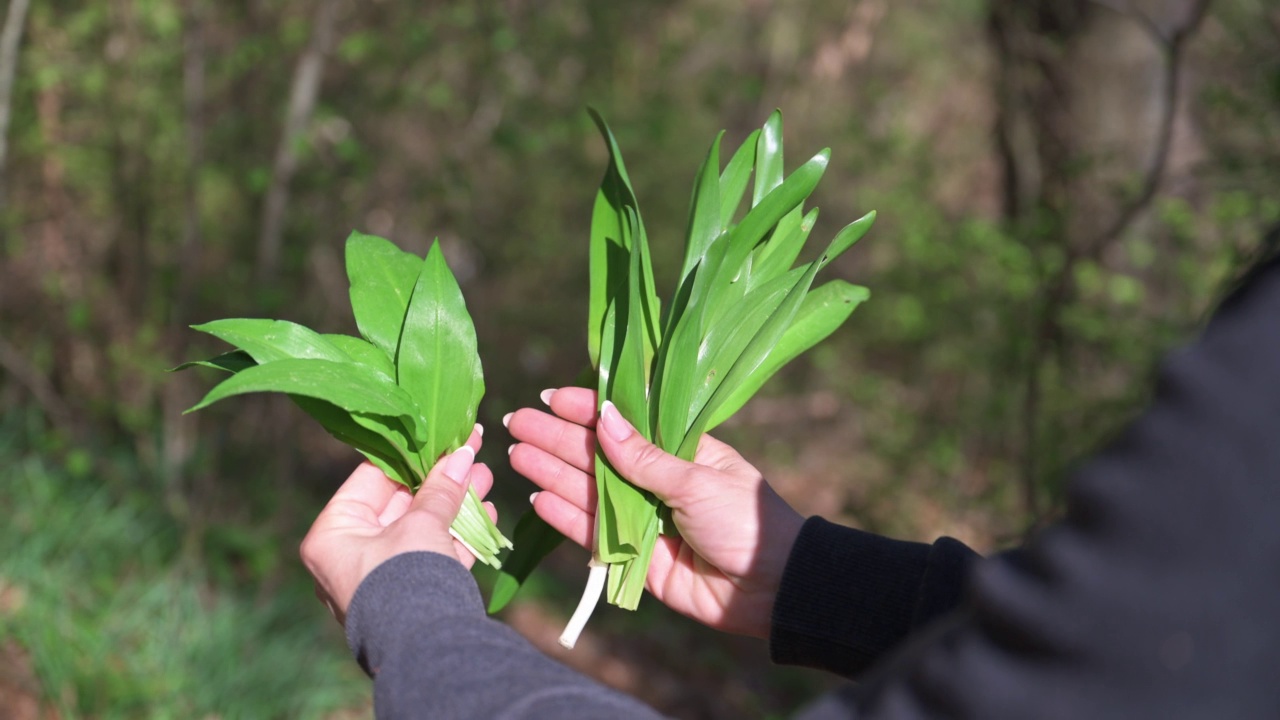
372, 518
725, 567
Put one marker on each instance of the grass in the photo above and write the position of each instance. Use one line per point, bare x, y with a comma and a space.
117, 625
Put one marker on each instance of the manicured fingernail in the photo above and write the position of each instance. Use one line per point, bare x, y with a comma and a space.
511, 448
506, 419
531, 498
614, 424
479, 429
545, 396
459, 464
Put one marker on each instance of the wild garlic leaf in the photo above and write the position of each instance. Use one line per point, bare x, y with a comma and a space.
769, 170
343, 384
382, 280
823, 311
704, 210
270, 340
757, 351
534, 540
437, 363
608, 249
363, 352
735, 178
232, 362
378, 449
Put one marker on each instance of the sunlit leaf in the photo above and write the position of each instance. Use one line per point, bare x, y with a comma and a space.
437, 363
382, 280
269, 340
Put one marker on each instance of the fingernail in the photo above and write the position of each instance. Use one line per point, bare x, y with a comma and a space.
531, 498
506, 419
614, 424
479, 429
511, 448
459, 464
545, 396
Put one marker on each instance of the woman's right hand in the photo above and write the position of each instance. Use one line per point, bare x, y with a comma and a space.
725, 566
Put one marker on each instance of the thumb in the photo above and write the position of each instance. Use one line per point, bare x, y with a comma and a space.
443, 491
640, 461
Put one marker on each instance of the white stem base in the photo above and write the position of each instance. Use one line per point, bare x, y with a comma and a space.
598, 573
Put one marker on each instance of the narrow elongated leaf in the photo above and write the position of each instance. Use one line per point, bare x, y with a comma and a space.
768, 158
270, 340
534, 540
382, 280
608, 249
437, 363
823, 311
343, 384
735, 178
704, 210
726, 340
232, 362
757, 350
776, 255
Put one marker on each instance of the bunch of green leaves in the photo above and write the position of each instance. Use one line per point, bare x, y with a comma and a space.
741, 310
403, 394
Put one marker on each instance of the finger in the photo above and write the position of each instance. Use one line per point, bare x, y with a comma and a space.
463, 554
476, 438
367, 486
575, 404
641, 462
570, 520
396, 507
442, 492
554, 475
481, 479
491, 511
572, 443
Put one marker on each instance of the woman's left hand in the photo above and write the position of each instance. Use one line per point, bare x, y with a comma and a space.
372, 518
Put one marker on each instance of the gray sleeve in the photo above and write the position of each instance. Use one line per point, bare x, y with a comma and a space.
418, 627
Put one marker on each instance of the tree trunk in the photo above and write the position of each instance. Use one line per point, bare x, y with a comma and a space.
10, 41
302, 99
1087, 92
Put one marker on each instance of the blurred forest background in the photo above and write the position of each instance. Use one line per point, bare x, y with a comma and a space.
1065, 189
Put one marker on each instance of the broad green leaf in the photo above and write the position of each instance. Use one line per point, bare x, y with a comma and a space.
380, 450
270, 340
769, 170
232, 362
823, 311
735, 178
534, 540
343, 384
382, 280
363, 352
437, 363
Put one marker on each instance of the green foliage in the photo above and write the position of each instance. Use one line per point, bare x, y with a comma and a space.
403, 396
119, 624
